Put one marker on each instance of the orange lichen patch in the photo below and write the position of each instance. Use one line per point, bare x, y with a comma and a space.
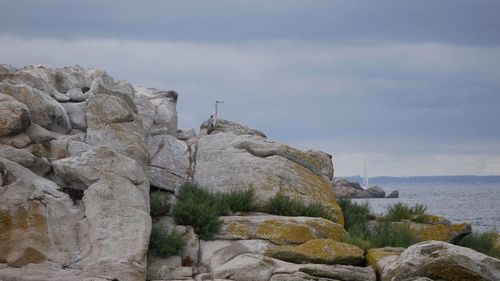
375, 255
450, 271
239, 230
327, 229
29, 255
23, 229
317, 189
437, 232
282, 232
325, 251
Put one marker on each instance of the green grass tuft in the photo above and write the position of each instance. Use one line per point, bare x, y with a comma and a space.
166, 243
283, 205
481, 242
354, 214
201, 209
400, 211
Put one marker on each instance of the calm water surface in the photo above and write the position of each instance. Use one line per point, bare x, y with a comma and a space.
478, 203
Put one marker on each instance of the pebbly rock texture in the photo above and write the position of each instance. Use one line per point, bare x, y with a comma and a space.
442, 261
74, 201
236, 157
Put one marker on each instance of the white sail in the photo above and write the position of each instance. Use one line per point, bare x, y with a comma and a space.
365, 180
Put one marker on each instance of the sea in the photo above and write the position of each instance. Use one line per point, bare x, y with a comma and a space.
475, 203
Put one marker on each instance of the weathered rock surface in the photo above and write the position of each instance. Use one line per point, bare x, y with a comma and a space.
240, 158
88, 219
323, 251
168, 163
451, 233
14, 116
165, 116
259, 268
278, 229
380, 258
38, 223
45, 110
443, 261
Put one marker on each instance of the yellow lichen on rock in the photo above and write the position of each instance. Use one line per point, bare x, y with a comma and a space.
375, 256
282, 232
439, 232
279, 230
325, 251
318, 190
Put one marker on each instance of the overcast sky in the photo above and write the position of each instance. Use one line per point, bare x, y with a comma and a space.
408, 87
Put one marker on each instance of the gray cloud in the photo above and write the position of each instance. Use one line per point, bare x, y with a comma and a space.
471, 22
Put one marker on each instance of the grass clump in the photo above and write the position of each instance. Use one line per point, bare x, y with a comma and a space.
201, 209
378, 234
283, 205
400, 211
159, 203
36, 152
482, 242
354, 214
237, 201
166, 243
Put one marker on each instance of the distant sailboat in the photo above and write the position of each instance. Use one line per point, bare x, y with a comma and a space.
365, 180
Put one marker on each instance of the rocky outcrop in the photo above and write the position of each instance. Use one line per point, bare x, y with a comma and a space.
236, 157
74, 198
343, 188
442, 261
380, 258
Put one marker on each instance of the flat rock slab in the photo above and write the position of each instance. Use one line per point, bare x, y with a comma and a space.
279, 229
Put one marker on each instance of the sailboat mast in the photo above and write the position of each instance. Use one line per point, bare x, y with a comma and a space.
365, 182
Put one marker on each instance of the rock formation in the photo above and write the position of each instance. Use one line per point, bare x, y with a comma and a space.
343, 188
79, 153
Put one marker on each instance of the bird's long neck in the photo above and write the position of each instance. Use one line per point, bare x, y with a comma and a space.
215, 115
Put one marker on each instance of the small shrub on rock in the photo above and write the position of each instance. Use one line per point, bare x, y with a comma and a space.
238, 201
199, 208
482, 242
166, 243
283, 205
159, 205
400, 211
354, 214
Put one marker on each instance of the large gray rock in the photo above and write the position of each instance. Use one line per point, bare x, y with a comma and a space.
253, 267
112, 122
39, 166
45, 111
95, 164
14, 116
38, 223
164, 102
323, 272
216, 253
230, 160
371, 192
248, 267
168, 163
279, 229
443, 261
77, 114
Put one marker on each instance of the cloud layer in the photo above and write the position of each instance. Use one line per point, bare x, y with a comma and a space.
365, 83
